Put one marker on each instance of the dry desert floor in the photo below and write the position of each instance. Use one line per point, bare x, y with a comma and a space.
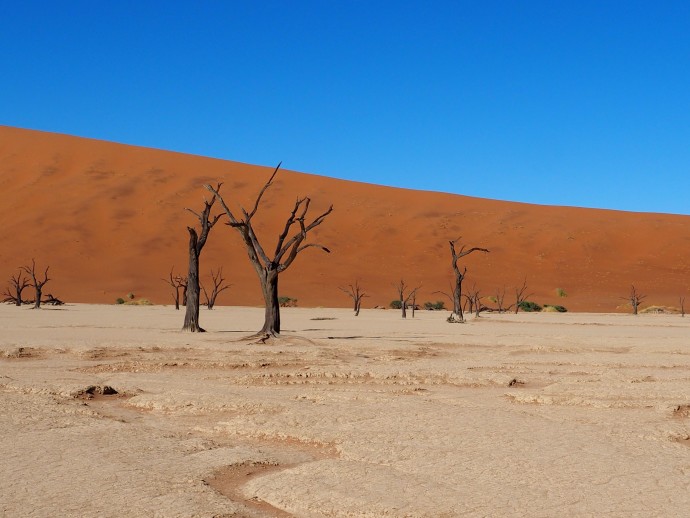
506, 415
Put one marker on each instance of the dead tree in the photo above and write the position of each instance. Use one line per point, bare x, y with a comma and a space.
287, 248
17, 284
682, 306
634, 298
196, 244
474, 300
520, 296
401, 287
499, 299
218, 287
36, 282
459, 276
52, 300
356, 293
176, 282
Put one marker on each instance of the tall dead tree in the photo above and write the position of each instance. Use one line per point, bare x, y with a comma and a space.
218, 287
404, 296
520, 296
287, 248
196, 244
177, 282
36, 282
356, 293
635, 298
17, 284
459, 277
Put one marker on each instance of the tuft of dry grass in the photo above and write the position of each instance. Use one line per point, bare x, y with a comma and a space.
139, 302
660, 310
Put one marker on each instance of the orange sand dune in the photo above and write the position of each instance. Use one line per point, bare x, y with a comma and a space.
109, 219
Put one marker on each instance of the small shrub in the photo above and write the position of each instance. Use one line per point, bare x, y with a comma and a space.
119, 300
130, 296
139, 302
287, 302
435, 306
561, 292
396, 304
554, 308
529, 307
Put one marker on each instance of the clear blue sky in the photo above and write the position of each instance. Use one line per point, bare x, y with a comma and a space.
582, 103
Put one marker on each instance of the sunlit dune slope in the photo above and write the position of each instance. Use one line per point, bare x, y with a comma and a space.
109, 219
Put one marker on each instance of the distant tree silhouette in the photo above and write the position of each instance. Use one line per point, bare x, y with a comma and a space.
36, 282
520, 296
459, 277
177, 282
634, 299
268, 268
356, 293
17, 284
405, 296
218, 287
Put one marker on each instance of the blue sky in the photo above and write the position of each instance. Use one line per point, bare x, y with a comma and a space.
583, 103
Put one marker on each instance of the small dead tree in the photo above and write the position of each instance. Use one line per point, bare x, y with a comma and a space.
459, 277
404, 296
218, 287
520, 296
356, 293
682, 306
474, 300
36, 282
634, 299
499, 299
176, 282
287, 248
17, 284
197, 240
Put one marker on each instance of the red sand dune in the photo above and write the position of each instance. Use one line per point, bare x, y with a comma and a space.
109, 219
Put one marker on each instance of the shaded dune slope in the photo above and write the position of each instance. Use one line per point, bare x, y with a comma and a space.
109, 219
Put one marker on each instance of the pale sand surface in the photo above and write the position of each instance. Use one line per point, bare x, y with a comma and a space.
366, 416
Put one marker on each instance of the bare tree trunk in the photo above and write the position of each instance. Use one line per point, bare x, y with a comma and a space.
191, 316
457, 297
269, 288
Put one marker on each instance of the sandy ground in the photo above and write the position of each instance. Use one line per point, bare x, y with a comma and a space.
527, 415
